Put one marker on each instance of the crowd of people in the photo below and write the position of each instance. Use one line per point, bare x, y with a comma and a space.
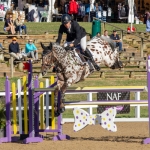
17, 27
117, 43
30, 50
14, 26
75, 35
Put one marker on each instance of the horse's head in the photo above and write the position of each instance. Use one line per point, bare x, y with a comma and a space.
48, 58
118, 63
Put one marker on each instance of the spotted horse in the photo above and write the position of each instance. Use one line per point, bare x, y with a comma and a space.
71, 69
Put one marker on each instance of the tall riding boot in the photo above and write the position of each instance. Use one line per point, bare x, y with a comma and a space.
90, 57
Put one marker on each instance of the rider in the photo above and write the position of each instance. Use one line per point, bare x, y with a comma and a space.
75, 35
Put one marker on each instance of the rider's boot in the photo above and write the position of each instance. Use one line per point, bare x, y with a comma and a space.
90, 57
91, 66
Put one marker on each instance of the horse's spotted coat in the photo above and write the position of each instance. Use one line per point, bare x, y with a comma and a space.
72, 69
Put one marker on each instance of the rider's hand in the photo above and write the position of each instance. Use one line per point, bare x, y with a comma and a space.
71, 45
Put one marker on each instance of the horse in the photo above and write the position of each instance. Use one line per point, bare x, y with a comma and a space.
71, 69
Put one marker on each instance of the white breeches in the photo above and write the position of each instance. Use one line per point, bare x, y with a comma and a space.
82, 43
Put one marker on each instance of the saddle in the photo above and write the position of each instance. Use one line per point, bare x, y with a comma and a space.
78, 51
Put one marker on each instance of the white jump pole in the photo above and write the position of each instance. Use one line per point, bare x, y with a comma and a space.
137, 108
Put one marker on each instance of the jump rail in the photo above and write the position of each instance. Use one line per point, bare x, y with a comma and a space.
107, 102
96, 89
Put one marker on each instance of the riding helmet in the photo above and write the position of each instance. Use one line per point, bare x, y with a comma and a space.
65, 19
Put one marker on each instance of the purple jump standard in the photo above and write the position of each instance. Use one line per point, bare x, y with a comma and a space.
147, 140
32, 138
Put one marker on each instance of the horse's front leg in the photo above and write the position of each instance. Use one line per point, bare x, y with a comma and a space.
56, 111
63, 90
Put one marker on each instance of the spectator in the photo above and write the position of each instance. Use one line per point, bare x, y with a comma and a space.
31, 50
14, 49
117, 40
1, 47
106, 38
19, 25
9, 25
106, 34
147, 21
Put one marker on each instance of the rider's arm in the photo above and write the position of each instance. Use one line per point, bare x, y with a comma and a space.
78, 33
60, 33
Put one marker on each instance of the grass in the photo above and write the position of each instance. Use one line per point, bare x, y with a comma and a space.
40, 28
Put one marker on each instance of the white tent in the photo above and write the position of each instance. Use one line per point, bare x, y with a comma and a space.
51, 10
9, 3
131, 12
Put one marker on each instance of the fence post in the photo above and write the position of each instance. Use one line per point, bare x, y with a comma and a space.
11, 67
103, 28
142, 42
89, 98
121, 35
137, 108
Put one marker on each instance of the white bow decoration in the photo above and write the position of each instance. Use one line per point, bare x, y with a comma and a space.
106, 119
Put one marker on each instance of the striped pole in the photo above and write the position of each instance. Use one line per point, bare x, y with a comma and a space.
25, 105
47, 105
52, 80
7, 100
14, 107
41, 108
147, 140
36, 103
19, 105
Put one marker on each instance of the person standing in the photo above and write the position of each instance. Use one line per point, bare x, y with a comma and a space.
147, 21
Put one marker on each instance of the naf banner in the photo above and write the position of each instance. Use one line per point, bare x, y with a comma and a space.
114, 96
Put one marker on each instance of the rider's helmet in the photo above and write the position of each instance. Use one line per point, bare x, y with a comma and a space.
65, 19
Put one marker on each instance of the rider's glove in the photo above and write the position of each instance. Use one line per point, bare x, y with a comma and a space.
67, 48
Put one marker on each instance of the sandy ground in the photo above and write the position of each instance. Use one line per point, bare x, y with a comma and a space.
128, 137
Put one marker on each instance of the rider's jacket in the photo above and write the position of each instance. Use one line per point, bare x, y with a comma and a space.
75, 33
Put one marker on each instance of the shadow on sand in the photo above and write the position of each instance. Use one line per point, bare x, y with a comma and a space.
126, 139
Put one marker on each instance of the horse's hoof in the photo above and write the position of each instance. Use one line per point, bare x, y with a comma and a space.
97, 67
62, 110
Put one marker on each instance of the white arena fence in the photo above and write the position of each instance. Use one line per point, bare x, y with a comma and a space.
137, 94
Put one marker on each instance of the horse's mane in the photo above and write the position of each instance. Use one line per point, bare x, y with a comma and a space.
110, 41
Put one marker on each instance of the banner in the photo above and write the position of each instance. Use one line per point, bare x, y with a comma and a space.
114, 96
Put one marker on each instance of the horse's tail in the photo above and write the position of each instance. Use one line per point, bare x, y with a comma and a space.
110, 41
